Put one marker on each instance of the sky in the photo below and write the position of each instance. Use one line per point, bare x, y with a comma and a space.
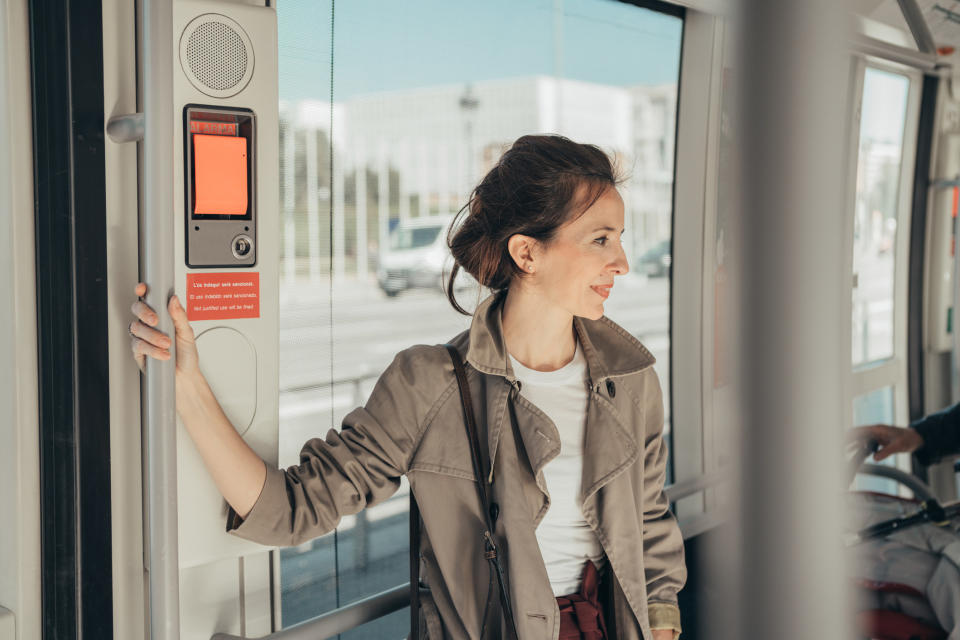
884, 106
383, 45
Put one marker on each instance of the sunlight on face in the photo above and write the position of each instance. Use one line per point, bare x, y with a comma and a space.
575, 271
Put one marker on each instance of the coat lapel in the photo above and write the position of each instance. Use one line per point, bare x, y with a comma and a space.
610, 351
608, 447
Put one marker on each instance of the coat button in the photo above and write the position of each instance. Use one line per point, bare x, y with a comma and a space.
611, 388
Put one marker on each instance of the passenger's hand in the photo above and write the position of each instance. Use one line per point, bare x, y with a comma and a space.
663, 634
147, 341
891, 439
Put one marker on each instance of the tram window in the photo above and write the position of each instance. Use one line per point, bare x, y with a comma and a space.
876, 407
416, 117
882, 120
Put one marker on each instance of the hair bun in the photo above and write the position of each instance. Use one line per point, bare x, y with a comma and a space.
537, 185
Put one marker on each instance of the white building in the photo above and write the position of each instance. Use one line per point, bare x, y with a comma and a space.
439, 141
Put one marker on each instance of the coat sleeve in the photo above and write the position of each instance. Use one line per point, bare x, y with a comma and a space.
941, 435
351, 469
663, 553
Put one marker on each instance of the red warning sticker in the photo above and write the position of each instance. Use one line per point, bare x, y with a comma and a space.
223, 296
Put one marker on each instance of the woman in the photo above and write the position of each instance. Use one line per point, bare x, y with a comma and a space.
569, 408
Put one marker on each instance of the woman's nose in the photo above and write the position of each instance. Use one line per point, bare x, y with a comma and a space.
620, 265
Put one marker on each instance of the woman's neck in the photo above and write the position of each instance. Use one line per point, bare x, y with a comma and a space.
537, 334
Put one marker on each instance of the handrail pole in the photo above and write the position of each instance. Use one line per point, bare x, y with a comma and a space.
920, 490
919, 28
159, 392
793, 82
340, 620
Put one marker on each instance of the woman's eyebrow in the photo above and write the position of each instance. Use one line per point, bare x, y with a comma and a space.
606, 229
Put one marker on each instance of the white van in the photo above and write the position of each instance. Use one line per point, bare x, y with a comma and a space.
417, 256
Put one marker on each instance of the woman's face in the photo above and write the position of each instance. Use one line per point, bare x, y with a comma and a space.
575, 271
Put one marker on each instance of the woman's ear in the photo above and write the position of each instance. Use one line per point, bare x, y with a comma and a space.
523, 251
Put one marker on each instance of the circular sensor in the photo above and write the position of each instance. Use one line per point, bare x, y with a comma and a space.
242, 246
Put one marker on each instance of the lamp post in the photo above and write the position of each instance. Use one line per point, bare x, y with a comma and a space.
468, 106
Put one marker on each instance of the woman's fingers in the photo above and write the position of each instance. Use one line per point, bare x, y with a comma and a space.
141, 349
141, 361
144, 313
149, 335
144, 339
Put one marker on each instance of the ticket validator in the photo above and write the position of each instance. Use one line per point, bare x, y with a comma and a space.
225, 191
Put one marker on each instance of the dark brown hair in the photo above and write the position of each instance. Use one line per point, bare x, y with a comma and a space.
533, 190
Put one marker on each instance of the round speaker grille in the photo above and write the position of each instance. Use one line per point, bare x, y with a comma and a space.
216, 55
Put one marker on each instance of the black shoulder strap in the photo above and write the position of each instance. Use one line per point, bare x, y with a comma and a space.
414, 568
490, 546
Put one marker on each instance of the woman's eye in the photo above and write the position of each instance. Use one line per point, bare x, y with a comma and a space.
601, 241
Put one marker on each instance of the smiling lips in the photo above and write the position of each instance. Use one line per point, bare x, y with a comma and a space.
602, 290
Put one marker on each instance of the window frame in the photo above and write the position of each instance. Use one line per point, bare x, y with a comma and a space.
695, 432
694, 213
892, 372
379, 605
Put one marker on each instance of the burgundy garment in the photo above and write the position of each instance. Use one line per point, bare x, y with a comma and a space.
581, 614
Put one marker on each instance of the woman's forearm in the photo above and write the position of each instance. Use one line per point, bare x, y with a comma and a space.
237, 470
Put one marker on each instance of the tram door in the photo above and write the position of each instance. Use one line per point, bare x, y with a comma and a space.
222, 88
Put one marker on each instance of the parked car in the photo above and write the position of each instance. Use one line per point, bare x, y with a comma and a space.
417, 256
655, 262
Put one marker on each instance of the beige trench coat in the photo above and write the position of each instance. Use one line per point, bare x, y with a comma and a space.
413, 424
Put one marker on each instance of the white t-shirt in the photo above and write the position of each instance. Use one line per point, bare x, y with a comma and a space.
566, 539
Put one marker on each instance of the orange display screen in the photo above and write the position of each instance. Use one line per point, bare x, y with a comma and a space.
220, 174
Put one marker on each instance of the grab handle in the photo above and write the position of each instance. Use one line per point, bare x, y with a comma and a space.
159, 392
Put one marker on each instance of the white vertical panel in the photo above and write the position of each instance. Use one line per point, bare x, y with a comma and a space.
313, 206
712, 325
687, 267
852, 140
424, 183
464, 181
19, 455
239, 353
8, 625
403, 170
255, 594
383, 196
289, 205
339, 230
908, 160
360, 165
204, 609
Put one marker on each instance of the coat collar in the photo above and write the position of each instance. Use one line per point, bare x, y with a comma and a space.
609, 351
608, 348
